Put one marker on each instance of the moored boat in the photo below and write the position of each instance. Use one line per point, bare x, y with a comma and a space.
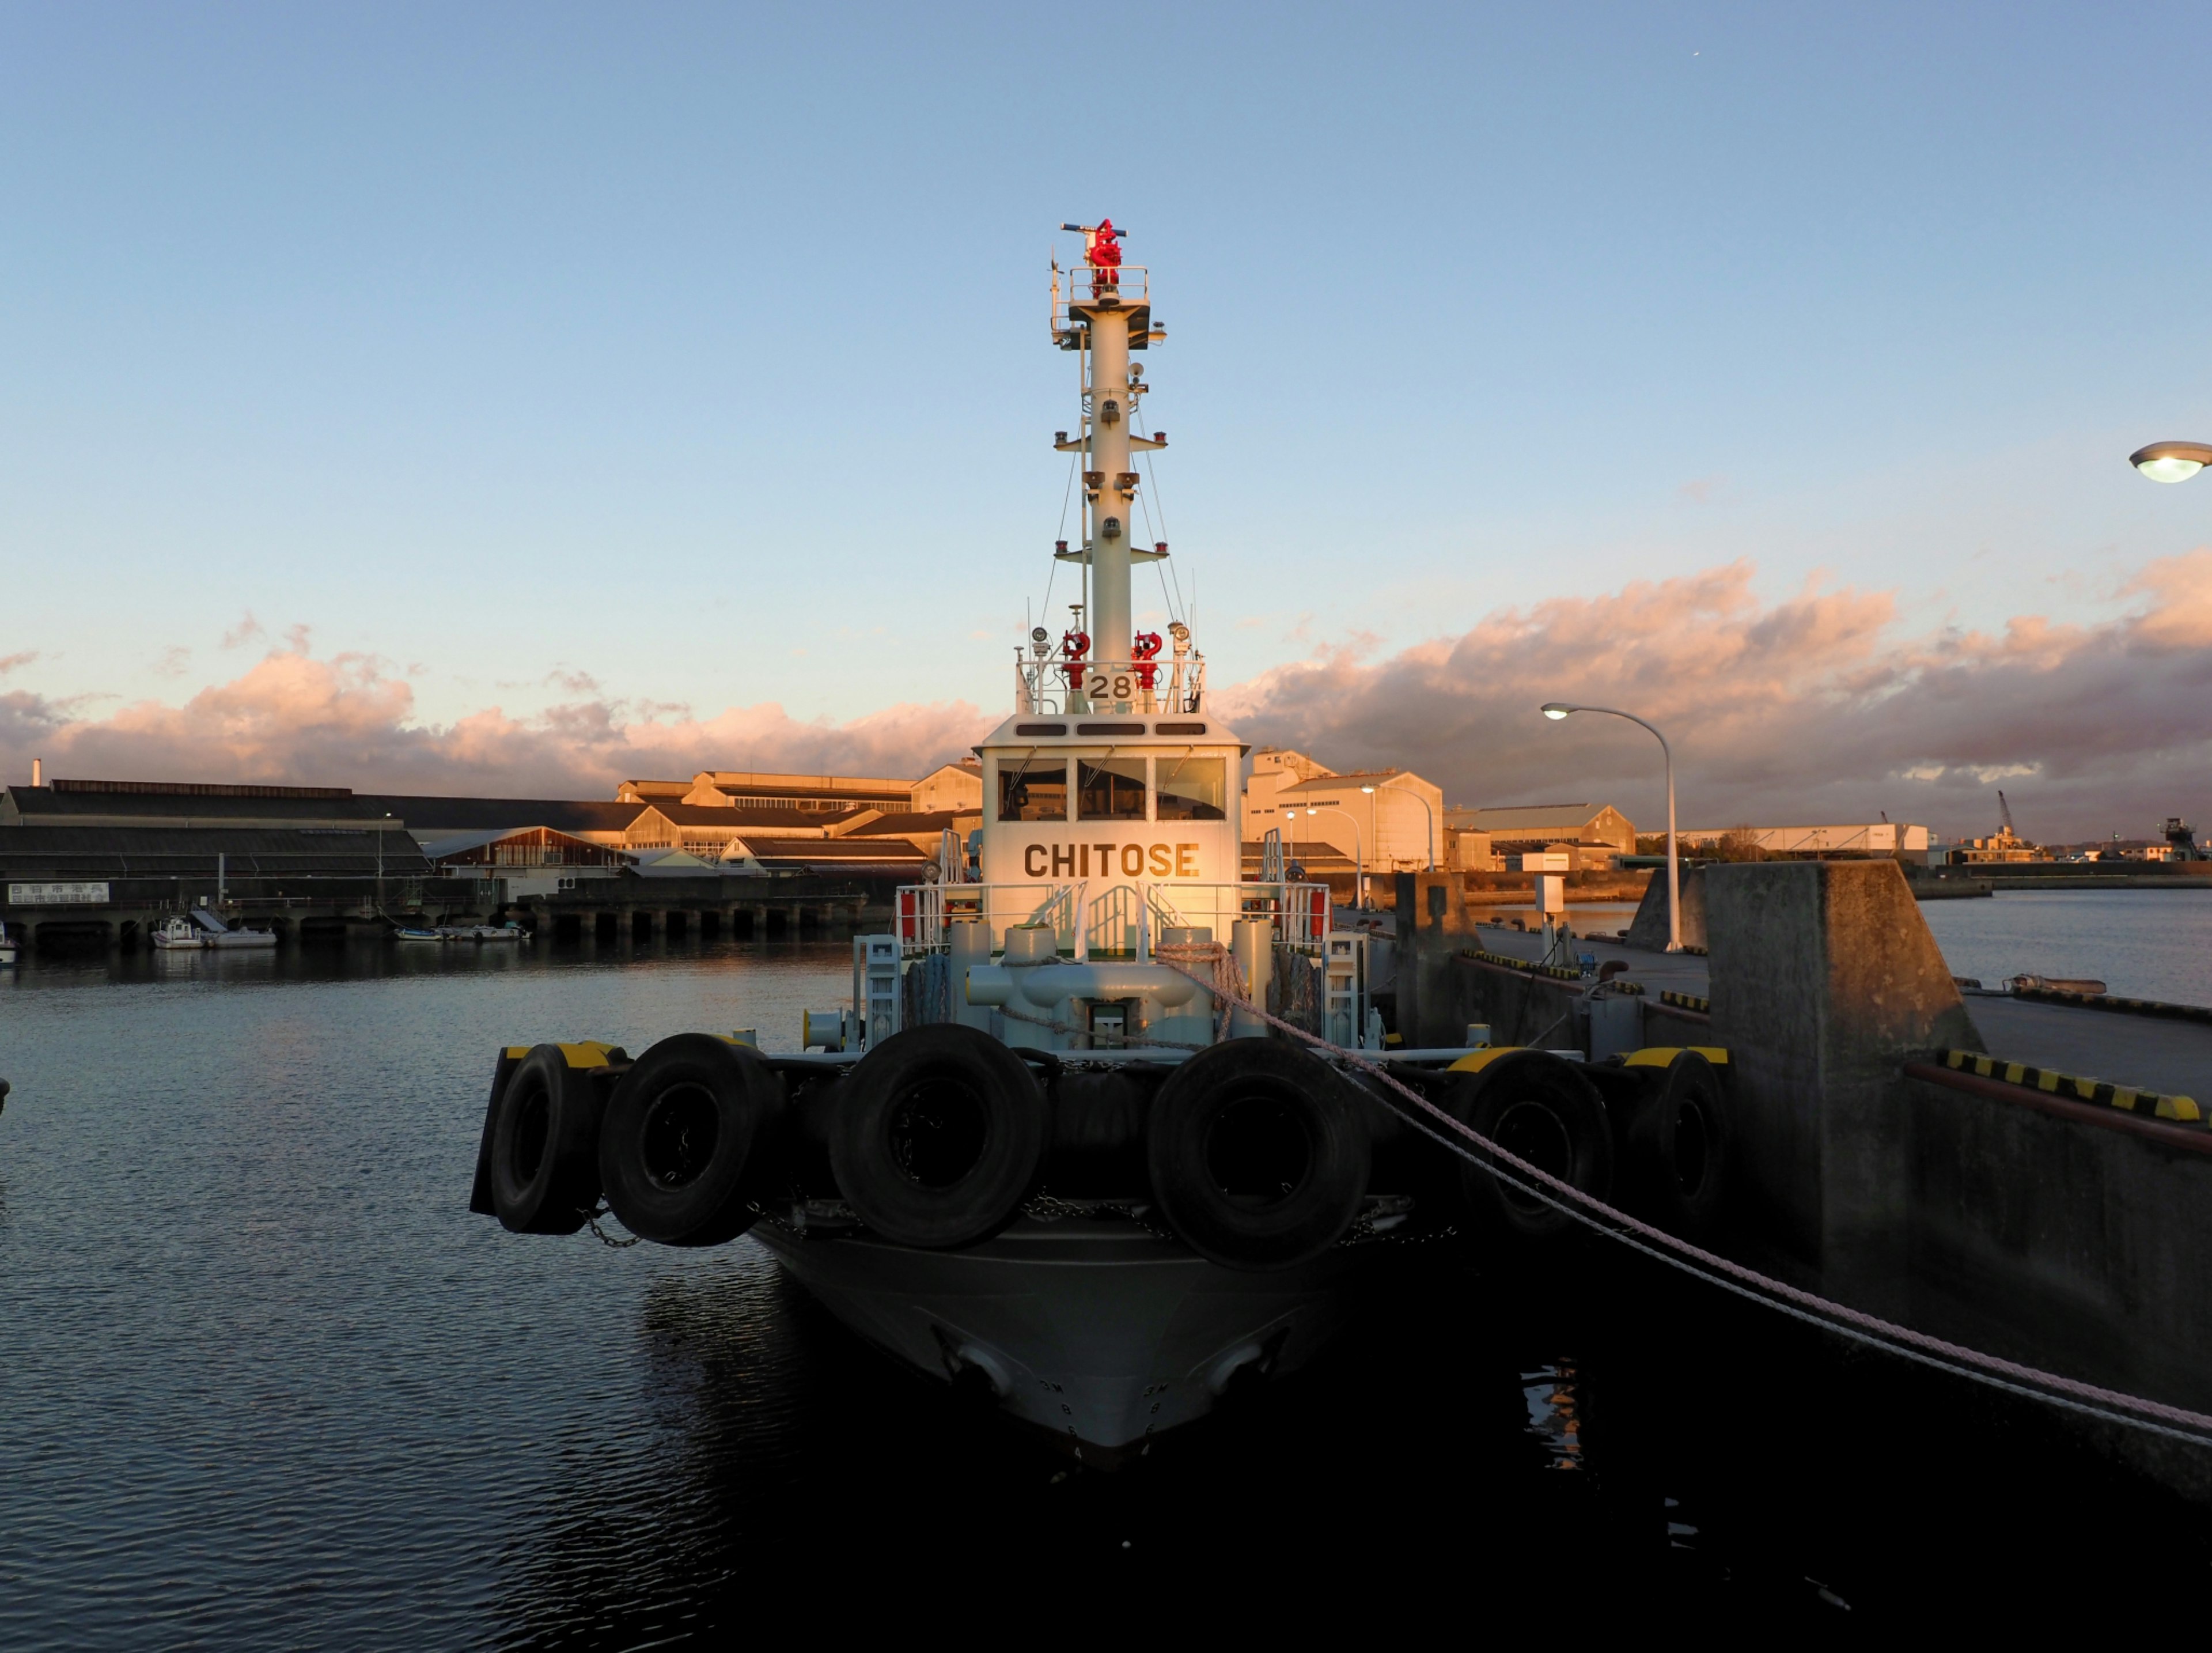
1057, 1147
201, 930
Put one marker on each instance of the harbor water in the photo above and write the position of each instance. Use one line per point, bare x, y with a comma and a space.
264, 1383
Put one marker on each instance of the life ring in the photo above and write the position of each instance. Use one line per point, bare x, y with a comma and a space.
541, 1169
1257, 1158
1536, 1105
1681, 1143
939, 1135
685, 1151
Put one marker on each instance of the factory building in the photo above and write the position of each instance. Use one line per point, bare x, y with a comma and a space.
1587, 836
1392, 819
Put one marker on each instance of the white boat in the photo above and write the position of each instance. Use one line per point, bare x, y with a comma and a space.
1038, 1154
8, 947
201, 930
483, 932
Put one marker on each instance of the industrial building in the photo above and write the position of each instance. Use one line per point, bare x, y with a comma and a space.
1589, 836
1392, 819
1898, 839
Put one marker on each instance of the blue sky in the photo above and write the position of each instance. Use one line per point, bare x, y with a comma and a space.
664, 342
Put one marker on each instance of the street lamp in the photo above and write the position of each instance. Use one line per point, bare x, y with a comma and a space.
1425, 810
1557, 710
1359, 859
2171, 461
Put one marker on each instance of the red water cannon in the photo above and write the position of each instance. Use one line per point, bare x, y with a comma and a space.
1074, 646
1142, 649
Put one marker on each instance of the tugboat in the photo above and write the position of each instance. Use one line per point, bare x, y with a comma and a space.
1053, 1149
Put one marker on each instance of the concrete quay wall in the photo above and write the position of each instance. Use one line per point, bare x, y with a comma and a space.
294, 908
710, 907
2065, 1234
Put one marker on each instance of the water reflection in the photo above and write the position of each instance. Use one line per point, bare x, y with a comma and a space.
1553, 1420
264, 1382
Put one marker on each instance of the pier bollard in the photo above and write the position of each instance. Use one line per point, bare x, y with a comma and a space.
1648, 928
1825, 982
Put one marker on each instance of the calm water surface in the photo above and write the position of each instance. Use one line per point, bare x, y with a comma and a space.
265, 1383
2143, 943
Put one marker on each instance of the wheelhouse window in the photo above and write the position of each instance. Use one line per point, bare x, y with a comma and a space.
1192, 789
1033, 789
1110, 788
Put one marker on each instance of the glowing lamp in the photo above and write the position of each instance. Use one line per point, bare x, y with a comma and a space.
2171, 461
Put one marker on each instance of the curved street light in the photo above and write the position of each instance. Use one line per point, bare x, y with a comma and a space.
2171, 461
1359, 857
1556, 710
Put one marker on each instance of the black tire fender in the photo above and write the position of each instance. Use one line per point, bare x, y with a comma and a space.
1534, 1104
1247, 1113
939, 1134
1681, 1144
685, 1152
540, 1160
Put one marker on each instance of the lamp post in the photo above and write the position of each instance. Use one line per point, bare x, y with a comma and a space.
1425, 810
2171, 461
1359, 857
1557, 710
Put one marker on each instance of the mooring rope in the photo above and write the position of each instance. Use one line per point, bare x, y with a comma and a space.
2113, 1406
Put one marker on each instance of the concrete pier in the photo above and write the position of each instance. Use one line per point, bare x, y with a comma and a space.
2008, 1214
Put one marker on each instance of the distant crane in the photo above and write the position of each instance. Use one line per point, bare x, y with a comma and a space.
2004, 814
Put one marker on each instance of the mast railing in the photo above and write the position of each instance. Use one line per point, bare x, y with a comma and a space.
1053, 685
1079, 285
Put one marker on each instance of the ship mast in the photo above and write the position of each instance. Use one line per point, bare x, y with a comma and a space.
1107, 313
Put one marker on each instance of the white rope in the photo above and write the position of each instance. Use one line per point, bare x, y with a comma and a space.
2111, 1405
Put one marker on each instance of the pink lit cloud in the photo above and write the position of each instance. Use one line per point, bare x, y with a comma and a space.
351, 722
1821, 707
1818, 707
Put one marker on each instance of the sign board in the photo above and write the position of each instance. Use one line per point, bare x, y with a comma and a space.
57, 895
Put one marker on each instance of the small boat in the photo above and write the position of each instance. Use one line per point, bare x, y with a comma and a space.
202, 929
409, 932
8, 947
482, 933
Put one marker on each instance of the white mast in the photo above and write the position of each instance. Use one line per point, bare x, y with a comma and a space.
1109, 316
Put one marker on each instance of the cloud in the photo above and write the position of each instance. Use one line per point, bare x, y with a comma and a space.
245, 631
1819, 707
11, 662
349, 721
1815, 709
174, 661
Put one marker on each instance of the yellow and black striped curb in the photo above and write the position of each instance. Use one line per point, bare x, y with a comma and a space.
1506, 961
2124, 1006
1685, 1001
1620, 985
2182, 1109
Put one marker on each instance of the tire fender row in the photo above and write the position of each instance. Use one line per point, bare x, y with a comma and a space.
1256, 1152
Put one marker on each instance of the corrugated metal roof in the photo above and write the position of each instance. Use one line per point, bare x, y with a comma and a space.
1526, 817
39, 852
439, 816
47, 805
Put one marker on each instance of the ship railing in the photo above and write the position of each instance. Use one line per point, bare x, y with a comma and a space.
1117, 688
1080, 285
1122, 920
